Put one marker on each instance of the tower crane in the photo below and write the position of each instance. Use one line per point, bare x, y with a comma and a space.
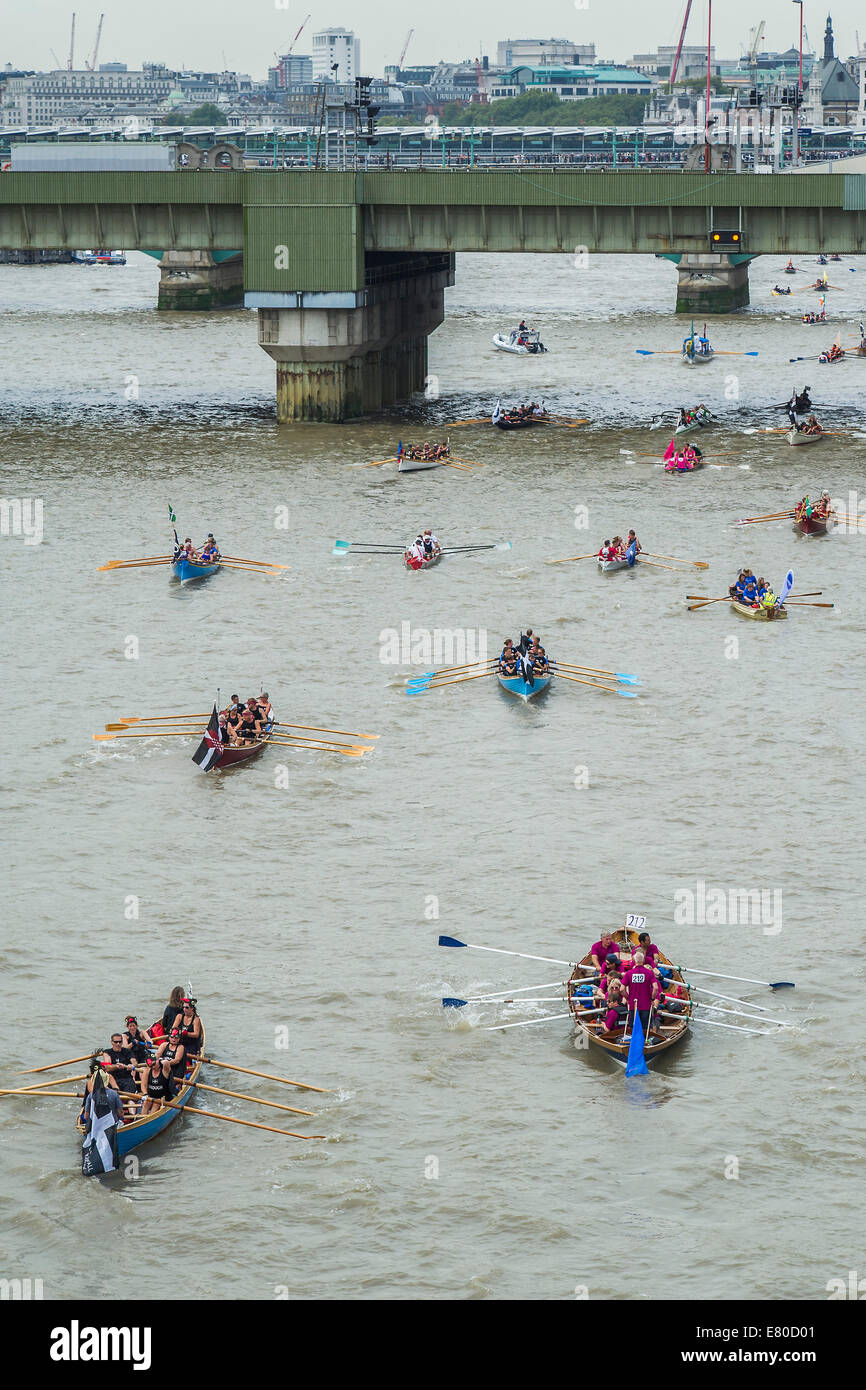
676, 61
405, 46
91, 66
70, 60
755, 36
294, 40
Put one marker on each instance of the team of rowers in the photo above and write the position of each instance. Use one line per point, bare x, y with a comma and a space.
814, 511
811, 426
427, 451
143, 1068
618, 549
780, 289
682, 461
696, 346
532, 411
423, 549
528, 658
207, 554
699, 416
752, 592
247, 723
814, 318
834, 353
628, 980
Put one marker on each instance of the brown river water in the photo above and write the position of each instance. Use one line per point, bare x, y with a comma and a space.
304, 905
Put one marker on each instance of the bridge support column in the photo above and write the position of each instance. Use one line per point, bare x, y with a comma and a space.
341, 355
711, 283
195, 280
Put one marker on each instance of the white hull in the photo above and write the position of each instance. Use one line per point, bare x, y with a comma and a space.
606, 566
800, 437
417, 465
698, 359
503, 342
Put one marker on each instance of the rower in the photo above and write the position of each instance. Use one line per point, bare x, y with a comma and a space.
249, 730
174, 1007
641, 983
824, 507
174, 1052
210, 550
134, 1040
233, 712
750, 591
119, 1062
736, 588
604, 553
651, 951
157, 1085
508, 659
253, 709
633, 546
536, 655
189, 1027
616, 552
617, 1005
682, 416
601, 949
430, 544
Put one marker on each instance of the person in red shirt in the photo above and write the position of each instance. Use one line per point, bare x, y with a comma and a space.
642, 988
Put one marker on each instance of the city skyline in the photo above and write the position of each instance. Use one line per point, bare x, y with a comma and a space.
205, 36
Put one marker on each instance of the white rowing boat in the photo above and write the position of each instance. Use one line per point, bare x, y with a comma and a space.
802, 437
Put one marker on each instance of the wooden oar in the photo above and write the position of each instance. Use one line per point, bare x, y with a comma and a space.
798, 603
121, 728
267, 1076
568, 559
133, 564
317, 748
654, 565
479, 420
161, 718
452, 680
698, 564
316, 728
704, 603
612, 689
52, 1066
229, 1119
61, 1081
271, 564
448, 670
377, 463
239, 1095
71, 1095
164, 733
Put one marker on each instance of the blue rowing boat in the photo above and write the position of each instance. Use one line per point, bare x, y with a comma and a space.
132, 1133
184, 569
516, 685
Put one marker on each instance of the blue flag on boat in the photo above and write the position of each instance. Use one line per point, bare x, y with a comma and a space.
399, 450
786, 587
636, 1066
631, 553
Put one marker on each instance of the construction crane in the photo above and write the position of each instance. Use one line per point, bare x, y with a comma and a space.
676, 62
91, 66
405, 46
755, 37
278, 56
70, 60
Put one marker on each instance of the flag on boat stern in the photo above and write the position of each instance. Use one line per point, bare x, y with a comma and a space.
399, 450
99, 1150
497, 411
210, 745
786, 588
631, 554
526, 666
636, 1066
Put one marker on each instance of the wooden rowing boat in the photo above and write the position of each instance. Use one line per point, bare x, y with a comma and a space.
798, 437
759, 615
813, 525
697, 359
616, 1044
185, 570
233, 753
408, 465
132, 1133
516, 685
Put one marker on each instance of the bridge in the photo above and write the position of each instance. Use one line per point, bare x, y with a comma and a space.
347, 269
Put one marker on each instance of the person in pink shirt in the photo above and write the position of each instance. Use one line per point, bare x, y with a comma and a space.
616, 1004
604, 947
642, 988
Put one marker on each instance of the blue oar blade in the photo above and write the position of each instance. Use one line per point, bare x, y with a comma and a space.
450, 941
783, 984
417, 690
626, 679
454, 1003
627, 694
644, 352
503, 545
751, 354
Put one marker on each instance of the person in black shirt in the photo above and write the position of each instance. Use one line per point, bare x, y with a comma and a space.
119, 1062
173, 1008
133, 1040
156, 1084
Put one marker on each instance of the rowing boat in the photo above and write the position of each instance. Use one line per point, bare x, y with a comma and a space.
409, 465
813, 525
693, 425
185, 570
503, 422
516, 685
132, 1133
233, 753
696, 359
607, 566
617, 1042
797, 437
759, 615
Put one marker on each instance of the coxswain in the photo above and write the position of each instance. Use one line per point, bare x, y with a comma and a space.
266, 711
525, 640
736, 589
682, 416
790, 265
770, 602
226, 733
189, 1027
174, 1007
112, 1095
157, 1086
633, 546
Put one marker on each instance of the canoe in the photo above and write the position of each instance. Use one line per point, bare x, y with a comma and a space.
425, 564
617, 1044
798, 437
185, 570
240, 753
131, 1134
813, 525
407, 465
507, 342
608, 566
516, 685
760, 615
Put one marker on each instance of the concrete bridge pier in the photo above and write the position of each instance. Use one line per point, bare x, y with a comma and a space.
711, 283
343, 354
200, 280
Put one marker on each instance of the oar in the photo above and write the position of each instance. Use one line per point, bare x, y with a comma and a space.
377, 463
157, 729
726, 352
133, 564
527, 1023
498, 996
71, 1095
453, 680
267, 1076
271, 564
239, 1095
741, 979
497, 951
448, 670
710, 1023
813, 593
478, 420
796, 603
229, 1119
653, 565
52, 1066
61, 1081
714, 994
317, 729
626, 694
163, 733
317, 748
738, 1013
599, 671
698, 564
377, 545
659, 352
568, 559
459, 549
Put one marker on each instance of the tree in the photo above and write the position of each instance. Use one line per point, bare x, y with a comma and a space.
206, 114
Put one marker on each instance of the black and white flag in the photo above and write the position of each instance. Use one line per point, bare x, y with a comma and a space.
99, 1150
210, 745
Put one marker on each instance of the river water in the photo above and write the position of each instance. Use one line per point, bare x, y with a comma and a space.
458, 1163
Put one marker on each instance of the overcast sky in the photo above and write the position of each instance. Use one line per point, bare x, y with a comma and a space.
197, 33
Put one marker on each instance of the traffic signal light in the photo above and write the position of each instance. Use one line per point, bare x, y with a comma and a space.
719, 239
